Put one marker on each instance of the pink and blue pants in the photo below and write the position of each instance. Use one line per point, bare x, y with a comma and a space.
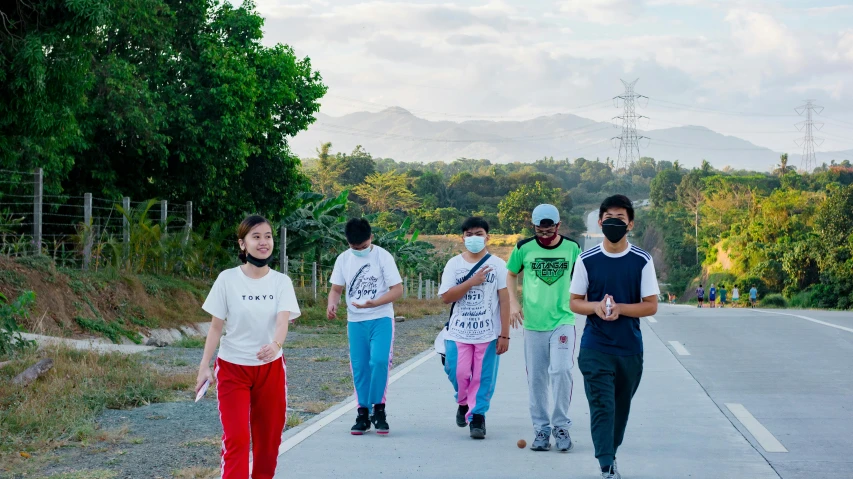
473, 371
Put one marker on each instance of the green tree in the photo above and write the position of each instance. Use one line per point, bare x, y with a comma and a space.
783, 165
663, 187
355, 167
386, 192
514, 211
690, 195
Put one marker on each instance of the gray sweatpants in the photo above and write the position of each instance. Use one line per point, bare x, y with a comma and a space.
550, 356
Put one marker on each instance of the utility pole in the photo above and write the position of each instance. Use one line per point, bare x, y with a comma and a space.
629, 140
808, 126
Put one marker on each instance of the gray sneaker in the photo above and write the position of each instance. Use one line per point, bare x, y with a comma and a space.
611, 474
542, 442
563, 440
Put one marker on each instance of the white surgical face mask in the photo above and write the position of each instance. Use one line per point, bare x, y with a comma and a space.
475, 244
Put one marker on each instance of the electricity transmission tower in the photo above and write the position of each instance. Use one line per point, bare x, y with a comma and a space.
629, 140
808, 126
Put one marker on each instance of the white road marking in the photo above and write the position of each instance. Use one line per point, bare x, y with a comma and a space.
651, 319
679, 348
849, 330
764, 437
313, 428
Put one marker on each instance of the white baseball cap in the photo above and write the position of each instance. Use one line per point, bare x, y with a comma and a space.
545, 212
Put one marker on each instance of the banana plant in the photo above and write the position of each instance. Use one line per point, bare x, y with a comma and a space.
317, 226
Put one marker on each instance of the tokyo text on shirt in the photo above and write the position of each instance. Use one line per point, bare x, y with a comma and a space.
477, 316
249, 307
366, 278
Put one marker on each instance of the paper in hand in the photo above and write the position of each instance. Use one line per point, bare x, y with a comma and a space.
202, 391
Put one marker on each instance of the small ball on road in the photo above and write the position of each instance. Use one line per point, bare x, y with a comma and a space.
522, 443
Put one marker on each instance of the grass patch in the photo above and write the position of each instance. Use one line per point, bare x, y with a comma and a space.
196, 472
308, 341
314, 407
322, 359
293, 420
61, 405
112, 330
419, 308
206, 442
89, 474
192, 342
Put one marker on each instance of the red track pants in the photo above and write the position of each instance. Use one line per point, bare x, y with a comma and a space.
256, 395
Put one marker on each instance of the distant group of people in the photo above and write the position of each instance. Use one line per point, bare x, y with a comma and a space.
723, 293
613, 284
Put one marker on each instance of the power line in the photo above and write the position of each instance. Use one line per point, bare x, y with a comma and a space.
629, 140
808, 126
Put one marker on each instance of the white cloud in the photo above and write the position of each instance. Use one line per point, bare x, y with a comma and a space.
505, 60
760, 33
604, 12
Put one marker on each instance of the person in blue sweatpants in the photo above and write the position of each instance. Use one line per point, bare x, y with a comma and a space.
373, 283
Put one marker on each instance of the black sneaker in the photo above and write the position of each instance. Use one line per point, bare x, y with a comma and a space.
461, 421
378, 419
478, 426
362, 422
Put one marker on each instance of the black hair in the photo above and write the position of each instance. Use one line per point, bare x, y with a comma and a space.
475, 222
245, 227
616, 201
357, 231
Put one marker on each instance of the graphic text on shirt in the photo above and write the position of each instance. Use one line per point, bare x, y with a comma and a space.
363, 285
549, 270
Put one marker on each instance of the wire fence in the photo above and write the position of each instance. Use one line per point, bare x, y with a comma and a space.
73, 229
313, 280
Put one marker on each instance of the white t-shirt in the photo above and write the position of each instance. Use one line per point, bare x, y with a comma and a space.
366, 278
249, 307
477, 316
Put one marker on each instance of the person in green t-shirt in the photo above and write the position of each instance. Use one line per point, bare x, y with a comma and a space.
547, 260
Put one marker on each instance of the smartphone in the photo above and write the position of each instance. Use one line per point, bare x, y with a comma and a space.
202, 390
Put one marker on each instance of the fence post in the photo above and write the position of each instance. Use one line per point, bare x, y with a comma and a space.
283, 250
405, 287
420, 286
189, 225
125, 202
87, 230
38, 198
164, 216
314, 278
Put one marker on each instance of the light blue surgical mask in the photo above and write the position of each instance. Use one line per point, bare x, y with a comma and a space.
475, 244
361, 253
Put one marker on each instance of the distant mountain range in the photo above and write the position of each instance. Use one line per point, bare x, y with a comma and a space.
396, 133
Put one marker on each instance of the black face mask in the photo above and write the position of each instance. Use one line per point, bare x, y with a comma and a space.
614, 229
260, 263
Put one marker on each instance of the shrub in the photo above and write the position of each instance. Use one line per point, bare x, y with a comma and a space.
11, 340
774, 301
803, 299
745, 282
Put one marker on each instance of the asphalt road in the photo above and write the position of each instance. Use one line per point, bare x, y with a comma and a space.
791, 370
733, 393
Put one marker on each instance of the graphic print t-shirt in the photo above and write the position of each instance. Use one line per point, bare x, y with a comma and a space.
712, 293
547, 277
477, 316
249, 307
700, 293
366, 278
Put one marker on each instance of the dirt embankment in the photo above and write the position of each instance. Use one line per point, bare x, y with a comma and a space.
73, 303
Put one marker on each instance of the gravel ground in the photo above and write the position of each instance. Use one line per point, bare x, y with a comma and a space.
181, 439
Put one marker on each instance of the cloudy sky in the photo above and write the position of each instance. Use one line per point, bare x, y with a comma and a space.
738, 67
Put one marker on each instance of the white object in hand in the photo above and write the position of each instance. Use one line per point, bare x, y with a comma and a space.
609, 306
201, 392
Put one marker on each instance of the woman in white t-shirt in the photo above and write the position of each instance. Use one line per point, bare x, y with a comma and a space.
253, 304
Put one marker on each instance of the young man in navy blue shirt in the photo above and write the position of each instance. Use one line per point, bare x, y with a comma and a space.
611, 354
